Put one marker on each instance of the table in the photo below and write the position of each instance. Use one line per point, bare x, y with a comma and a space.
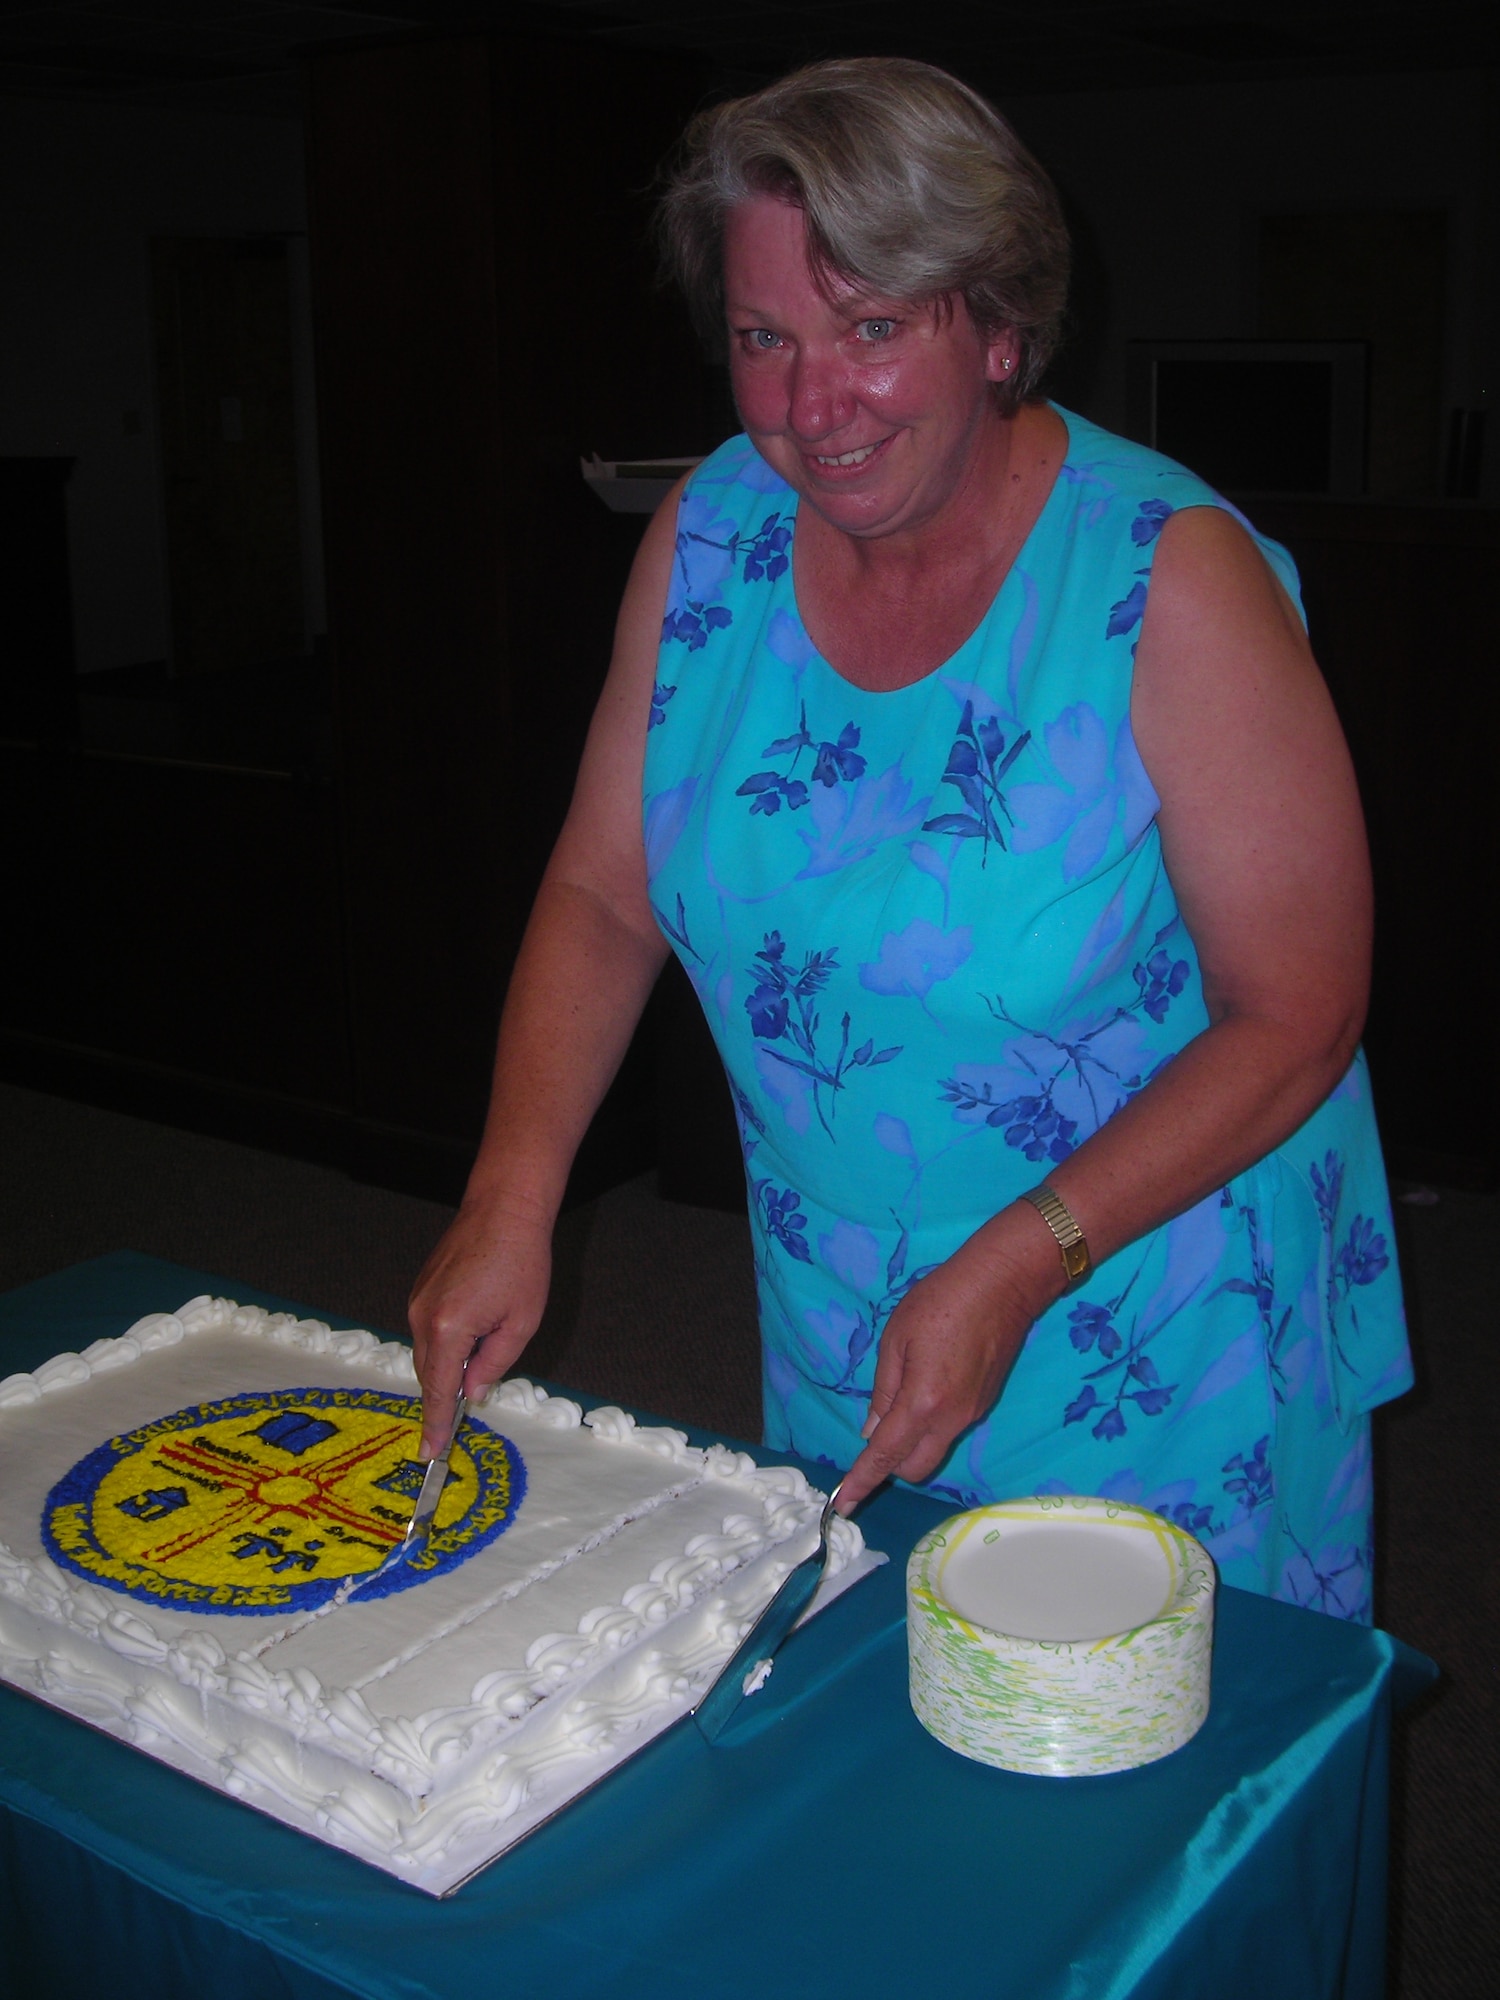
834, 1849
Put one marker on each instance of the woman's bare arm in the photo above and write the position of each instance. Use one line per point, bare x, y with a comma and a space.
586, 966
1264, 842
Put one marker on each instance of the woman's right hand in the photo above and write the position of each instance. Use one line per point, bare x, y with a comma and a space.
478, 1300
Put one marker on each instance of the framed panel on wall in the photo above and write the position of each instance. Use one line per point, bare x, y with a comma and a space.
1255, 416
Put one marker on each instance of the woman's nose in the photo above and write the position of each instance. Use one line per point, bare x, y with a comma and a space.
820, 398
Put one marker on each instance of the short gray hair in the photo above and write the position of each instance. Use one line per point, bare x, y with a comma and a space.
912, 185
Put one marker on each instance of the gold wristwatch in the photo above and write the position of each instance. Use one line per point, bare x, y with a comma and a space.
1070, 1238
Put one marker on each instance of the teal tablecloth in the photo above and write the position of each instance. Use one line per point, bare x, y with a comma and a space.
837, 1850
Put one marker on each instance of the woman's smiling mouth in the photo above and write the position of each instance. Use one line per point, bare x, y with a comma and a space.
861, 455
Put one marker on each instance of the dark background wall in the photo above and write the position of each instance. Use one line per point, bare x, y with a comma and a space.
271, 886
1173, 188
87, 186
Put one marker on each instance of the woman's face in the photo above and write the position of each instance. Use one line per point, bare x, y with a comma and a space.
874, 410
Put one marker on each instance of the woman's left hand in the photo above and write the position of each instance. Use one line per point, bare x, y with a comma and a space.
948, 1347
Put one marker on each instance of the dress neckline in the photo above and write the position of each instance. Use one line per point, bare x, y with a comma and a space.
981, 624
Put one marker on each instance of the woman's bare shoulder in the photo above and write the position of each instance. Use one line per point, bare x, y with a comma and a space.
1259, 813
1208, 564
638, 627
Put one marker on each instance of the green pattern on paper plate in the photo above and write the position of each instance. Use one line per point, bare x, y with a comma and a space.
1061, 1708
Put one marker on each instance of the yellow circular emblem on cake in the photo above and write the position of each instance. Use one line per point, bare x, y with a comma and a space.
269, 1500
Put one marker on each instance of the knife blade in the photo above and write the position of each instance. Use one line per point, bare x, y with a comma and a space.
749, 1665
434, 1479
419, 1527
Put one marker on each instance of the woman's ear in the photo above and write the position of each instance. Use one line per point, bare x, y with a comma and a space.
1002, 356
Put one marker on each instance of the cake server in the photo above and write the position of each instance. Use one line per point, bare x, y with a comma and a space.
751, 1662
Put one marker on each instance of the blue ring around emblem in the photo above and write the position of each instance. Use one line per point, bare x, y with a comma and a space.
496, 1460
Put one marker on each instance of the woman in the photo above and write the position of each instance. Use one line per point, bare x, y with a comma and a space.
997, 810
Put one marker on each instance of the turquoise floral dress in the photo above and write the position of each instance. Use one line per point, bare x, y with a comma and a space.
936, 943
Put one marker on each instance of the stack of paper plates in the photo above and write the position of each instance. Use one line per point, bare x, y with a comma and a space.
1062, 1635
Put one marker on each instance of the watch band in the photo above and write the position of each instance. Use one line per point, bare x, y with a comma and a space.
1070, 1238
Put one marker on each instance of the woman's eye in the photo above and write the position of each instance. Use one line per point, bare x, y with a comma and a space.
875, 329
760, 339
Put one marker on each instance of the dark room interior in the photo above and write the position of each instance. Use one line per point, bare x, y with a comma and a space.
311, 315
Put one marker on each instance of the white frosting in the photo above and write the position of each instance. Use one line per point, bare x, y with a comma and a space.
422, 1731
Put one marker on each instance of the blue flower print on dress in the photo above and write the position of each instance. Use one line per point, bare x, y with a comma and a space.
1128, 613
847, 823
839, 761
1261, 1286
666, 816
833, 762
1177, 1500
1160, 979
749, 1118
1149, 522
785, 640
709, 548
1103, 492
677, 930
783, 1218
1250, 1479
750, 1124
1327, 1187
1333, 1579
1363, 1256
703, 562
1099, 782
912, 961
660, 696
1051, 1086
1125, 1357
976, 764
852, 1253
1151, 518
835, 1340
765, 551
1031, 1123
1359, 1260
767, 790
783, 1007
1329, 1535
1190, 1517
1090, 1323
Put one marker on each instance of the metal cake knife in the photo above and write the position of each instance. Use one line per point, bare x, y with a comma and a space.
747, 1668
420, 1525
434, 1479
